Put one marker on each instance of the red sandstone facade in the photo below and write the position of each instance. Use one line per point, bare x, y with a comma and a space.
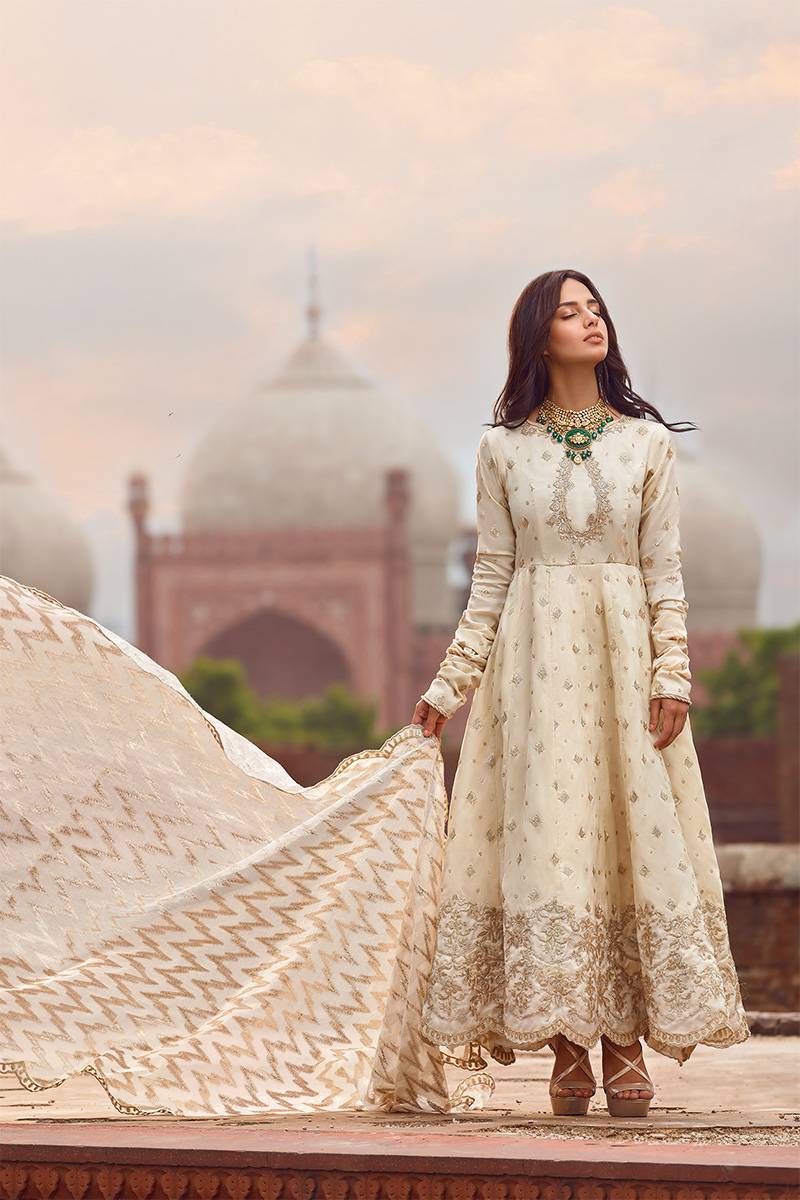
301, 609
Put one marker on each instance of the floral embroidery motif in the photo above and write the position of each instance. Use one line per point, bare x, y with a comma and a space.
597, 521
619, 972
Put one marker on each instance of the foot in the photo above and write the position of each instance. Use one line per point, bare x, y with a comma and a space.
575, 1082
612, 1065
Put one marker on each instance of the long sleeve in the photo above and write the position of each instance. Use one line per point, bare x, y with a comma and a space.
467, 654
660, 558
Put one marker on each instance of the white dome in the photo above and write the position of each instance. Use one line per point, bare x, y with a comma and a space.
309, 450
39, 545
722, 556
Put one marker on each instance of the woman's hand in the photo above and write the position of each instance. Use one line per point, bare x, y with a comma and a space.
429, 717
673, 718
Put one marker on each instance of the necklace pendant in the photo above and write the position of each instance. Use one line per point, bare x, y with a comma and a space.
577, 441
577, 438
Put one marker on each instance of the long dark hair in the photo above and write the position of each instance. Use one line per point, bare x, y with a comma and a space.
528, 377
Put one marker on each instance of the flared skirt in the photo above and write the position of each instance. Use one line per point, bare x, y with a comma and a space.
581, 893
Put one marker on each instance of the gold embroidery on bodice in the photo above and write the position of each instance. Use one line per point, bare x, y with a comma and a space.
597, 521
602, 488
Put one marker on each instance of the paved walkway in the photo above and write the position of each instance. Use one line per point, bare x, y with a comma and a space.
745, 1095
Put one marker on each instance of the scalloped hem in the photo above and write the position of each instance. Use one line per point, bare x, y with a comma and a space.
24, 1077
716, 1034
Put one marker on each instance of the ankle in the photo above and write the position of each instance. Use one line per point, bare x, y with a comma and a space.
561, 1039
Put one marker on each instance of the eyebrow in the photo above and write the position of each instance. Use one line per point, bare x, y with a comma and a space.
574, 303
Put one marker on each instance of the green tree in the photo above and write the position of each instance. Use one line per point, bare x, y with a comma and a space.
743, 690
220, 687
337, 720
334, 720
281, 723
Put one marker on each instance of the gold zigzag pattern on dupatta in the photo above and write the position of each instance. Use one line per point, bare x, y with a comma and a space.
185, 922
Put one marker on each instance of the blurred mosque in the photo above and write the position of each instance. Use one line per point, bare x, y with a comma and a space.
39, 544
318, 519
318, 523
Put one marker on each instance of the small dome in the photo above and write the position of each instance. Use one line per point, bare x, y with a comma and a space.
39, 545
309, 450
722, 555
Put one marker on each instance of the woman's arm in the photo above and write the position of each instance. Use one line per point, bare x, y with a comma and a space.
660, 557
467, 654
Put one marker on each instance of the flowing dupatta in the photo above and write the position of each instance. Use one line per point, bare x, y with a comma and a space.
181, 919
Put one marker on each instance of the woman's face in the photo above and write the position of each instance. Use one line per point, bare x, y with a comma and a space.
576, 319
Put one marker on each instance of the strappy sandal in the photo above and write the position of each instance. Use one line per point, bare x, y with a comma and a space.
619, 1106
572, 1106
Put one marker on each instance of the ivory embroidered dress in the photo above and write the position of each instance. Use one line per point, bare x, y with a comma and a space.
581, 892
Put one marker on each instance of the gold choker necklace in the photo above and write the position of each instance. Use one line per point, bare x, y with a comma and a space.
575, 428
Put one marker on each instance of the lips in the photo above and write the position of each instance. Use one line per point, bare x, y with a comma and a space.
594, 337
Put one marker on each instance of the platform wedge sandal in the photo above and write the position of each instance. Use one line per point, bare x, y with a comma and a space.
572, 1106
619, 1106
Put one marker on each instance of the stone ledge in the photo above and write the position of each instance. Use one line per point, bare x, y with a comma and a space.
774, 1024
759, 866
290, 1168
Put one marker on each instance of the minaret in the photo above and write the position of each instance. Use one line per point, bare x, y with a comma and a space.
138, 507
313, 311
399, 635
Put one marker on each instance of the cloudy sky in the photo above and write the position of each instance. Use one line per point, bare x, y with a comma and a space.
167, 164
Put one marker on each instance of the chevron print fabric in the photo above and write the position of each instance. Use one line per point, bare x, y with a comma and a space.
184, 921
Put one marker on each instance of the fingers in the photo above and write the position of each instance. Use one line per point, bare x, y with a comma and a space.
673, 718
655, 709
429, 718
667, 731
433, 722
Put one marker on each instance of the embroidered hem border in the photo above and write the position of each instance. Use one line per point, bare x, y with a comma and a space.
713, 1034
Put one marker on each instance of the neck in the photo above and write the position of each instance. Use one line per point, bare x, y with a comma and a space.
572, 386
573, 403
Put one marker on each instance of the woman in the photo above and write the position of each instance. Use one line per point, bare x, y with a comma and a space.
184, 922
581, 895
